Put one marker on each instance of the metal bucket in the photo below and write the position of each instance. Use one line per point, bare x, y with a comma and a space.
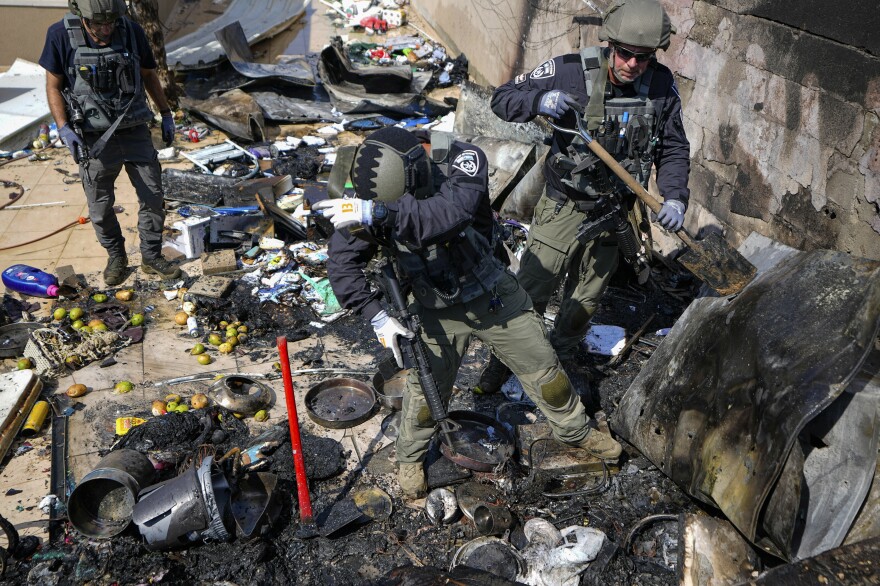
102, 504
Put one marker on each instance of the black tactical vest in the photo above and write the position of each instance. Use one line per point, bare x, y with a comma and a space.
107, 80
456, 271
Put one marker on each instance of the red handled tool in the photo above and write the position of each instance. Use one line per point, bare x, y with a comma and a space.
308, 528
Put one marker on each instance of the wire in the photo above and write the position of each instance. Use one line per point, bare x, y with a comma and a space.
79, 221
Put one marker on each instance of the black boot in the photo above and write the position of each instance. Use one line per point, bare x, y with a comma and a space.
493, 377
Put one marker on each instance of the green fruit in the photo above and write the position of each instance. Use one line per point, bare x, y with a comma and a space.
25, 363
99, 298
242, 329
232, 341
59, 314
76, 313
225, 348
181, 408
224, 324
73, 360
123, 386
77, 324
197, 349
85, 330
100, 328
215, 339
231, 332
171, 405
204, 359
261, 415
137, 319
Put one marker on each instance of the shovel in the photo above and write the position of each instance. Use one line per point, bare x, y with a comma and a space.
711, 259
308, 528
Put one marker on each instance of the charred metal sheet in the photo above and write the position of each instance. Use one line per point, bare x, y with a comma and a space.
520, 202
361, 90
234, 112
858, 563
235, 45
711, 551
724, 398
297, 110
259, 19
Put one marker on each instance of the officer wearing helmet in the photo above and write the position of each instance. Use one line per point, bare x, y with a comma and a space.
631, 106
99, 64
431, 214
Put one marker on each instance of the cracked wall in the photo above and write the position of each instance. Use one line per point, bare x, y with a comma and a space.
782, 103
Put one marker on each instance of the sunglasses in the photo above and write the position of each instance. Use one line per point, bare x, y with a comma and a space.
626, 54
94, 24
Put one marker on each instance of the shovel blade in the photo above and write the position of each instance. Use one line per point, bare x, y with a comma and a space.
718, 265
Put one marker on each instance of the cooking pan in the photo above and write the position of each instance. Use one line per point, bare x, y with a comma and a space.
711, 259
389, 391
340, 403
479, 442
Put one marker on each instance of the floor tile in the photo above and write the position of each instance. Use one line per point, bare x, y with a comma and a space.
129, 366
24, 173
84, 242
168, 357
40, 245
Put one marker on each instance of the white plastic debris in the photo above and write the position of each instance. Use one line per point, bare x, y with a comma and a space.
605, 340
293, 141
167, 154
313, 140
556, 558
48, 503
330, 130
267, 243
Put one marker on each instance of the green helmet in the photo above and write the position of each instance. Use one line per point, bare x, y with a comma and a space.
641, 23
389, 163
100, 10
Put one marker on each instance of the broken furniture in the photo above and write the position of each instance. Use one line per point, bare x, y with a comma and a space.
19, 391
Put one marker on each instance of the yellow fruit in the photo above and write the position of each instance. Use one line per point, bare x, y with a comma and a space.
100, 327
124, 295
242, 338
215, 339
95, 322
232, 341
76, 313
204, 359
224, 348
223, 324
239, 415
86, 329
159, 408
77, 324
171, 406
25, 363
197, 349
73, 361
137, 319
99, 298
235, 324
199, 401
59, 314
123, 386
242, 329
172, 398
231, 332
181, 408
261, 415
180, 318
76, 390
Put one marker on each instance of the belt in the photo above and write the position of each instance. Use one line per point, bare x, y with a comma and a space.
581, 205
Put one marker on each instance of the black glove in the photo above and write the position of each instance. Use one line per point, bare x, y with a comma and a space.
71, 140
167, 128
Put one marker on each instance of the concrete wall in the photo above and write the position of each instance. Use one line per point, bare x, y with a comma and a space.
782, 103
23, 31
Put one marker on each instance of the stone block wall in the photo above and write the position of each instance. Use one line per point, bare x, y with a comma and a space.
781, 102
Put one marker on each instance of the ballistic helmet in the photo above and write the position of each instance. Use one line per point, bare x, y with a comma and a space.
389, 163
641, 23
99, 10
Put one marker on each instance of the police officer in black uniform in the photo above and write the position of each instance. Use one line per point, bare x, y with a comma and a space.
631, 106
432, 216
98, 64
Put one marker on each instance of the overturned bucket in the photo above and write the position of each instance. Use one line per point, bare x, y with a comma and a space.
102, 504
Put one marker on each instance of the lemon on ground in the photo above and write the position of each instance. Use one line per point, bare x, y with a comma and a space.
261, 415
225, 348
77, 324
137, 319
123, 386
197, 349
99, 298
214, 339
59, 313
77, 390
180, 318
76, 313
25, 363
124, 295
204, 359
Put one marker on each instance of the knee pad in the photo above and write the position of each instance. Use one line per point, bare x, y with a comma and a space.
557, 392
423, 417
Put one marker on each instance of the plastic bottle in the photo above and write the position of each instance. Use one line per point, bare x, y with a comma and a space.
30, 281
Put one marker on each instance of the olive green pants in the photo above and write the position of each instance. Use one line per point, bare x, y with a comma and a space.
551, 253
516, 335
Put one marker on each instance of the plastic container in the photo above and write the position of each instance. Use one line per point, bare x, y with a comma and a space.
30, 281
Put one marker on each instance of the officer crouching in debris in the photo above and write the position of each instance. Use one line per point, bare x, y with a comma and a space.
98, 64
586, 217
432, 215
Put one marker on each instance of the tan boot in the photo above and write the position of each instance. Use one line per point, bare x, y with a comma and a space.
411, 477
601, 445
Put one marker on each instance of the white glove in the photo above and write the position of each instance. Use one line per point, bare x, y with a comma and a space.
346, 212
387, 329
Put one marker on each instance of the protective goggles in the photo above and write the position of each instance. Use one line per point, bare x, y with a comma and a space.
626, 54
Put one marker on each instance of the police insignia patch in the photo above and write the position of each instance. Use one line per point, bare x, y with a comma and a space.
519, 78
545, 69
468, 162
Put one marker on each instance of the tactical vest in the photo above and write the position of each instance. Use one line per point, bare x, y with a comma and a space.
107, 80
456, 271
624, 126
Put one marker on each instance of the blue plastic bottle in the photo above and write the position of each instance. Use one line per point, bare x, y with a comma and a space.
30, 281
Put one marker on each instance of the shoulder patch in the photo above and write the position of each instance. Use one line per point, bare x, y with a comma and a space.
468, 162
520, 78
544, 70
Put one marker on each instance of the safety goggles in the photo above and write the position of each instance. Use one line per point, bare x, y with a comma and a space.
100, 24
626, 54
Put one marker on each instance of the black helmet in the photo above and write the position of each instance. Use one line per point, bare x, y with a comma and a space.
389, 163
100, 10
641, 23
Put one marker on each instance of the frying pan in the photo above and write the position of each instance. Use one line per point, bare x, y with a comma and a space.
480, 442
